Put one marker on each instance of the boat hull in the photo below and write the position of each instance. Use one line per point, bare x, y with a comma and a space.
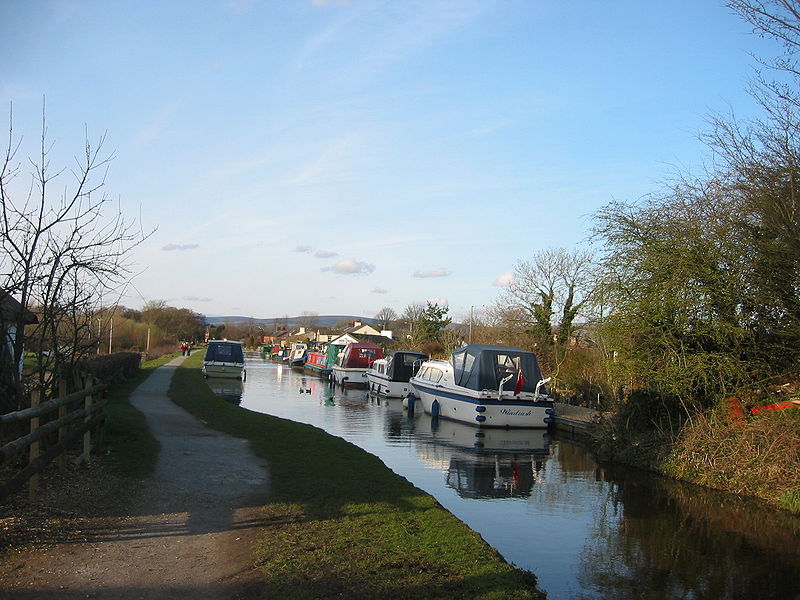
384, 386
483, 411
349, 377
223, 370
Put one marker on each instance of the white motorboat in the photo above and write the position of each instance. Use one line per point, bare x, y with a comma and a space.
489, 386
224, 358
390, 376
353, 362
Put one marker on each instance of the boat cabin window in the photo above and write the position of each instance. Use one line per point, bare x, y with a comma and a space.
430, 374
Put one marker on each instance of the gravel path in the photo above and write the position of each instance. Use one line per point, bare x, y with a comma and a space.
190, 529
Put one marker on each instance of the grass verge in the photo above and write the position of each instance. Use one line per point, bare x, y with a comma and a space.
343, 525
131, 448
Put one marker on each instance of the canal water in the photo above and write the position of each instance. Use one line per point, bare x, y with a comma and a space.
585, 530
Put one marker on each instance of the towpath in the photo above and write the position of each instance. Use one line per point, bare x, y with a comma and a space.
186, 533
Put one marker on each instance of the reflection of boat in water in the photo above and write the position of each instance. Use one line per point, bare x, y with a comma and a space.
389, 376
492, 386
227, 389
483, 463
224, 359
351, 367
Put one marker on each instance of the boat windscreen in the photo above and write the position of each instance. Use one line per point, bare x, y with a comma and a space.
403, 365
480, 367
224, 352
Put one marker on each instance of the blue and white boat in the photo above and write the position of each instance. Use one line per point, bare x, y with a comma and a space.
489, 386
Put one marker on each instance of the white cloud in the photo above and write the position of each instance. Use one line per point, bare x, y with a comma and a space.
435, 273
351, 266
438, 301
378, 290
196, 299
504, 279
171, 247
325, 254
302, 249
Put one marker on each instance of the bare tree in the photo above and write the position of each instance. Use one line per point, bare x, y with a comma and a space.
62, 251
548, 293
385, 317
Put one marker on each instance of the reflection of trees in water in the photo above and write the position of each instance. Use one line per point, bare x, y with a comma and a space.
654, 539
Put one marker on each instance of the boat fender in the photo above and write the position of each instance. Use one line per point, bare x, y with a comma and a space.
408, 403
548, 419
549, 411
435, 408
480, 418
480, 409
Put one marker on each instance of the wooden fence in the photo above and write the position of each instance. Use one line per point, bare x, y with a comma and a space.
79, 413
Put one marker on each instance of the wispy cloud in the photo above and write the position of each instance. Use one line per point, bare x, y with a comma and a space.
351, 266
438, 301
325, 254
504, 279
378, 290
196, 299
181, 247
304, 249
435, 273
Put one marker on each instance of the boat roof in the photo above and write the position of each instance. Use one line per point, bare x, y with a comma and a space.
483, 367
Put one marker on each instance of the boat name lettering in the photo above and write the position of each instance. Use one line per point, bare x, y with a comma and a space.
517, 413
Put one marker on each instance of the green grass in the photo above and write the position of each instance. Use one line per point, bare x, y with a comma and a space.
131, 449
343, 525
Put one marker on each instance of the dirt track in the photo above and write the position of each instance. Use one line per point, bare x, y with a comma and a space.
187, 533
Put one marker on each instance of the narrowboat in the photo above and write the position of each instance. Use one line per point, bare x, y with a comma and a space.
320, 362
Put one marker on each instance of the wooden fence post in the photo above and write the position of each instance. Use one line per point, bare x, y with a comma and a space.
34, 450
87, 437
62, 412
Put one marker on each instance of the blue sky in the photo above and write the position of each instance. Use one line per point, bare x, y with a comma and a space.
342, 156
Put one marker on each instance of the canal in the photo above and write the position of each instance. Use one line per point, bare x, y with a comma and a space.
585, 530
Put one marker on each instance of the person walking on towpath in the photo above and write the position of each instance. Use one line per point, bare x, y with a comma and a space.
187, 533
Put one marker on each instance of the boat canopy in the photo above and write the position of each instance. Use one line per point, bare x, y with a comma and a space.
401, 364
480, 367
224, 352
360, 356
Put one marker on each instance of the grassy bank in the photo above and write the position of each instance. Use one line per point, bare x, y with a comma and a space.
343, 524
756, 456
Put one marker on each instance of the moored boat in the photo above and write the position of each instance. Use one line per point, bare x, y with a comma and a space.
390, 376
490, 386
320, 362
351, 366
297, 355
223, 358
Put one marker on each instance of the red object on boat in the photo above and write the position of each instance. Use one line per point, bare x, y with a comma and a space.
757, 410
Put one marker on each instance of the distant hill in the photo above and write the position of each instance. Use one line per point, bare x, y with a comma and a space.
290, 322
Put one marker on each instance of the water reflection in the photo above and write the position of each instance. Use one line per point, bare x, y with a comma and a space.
483, 463
586, 530
662, 539
229, 389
